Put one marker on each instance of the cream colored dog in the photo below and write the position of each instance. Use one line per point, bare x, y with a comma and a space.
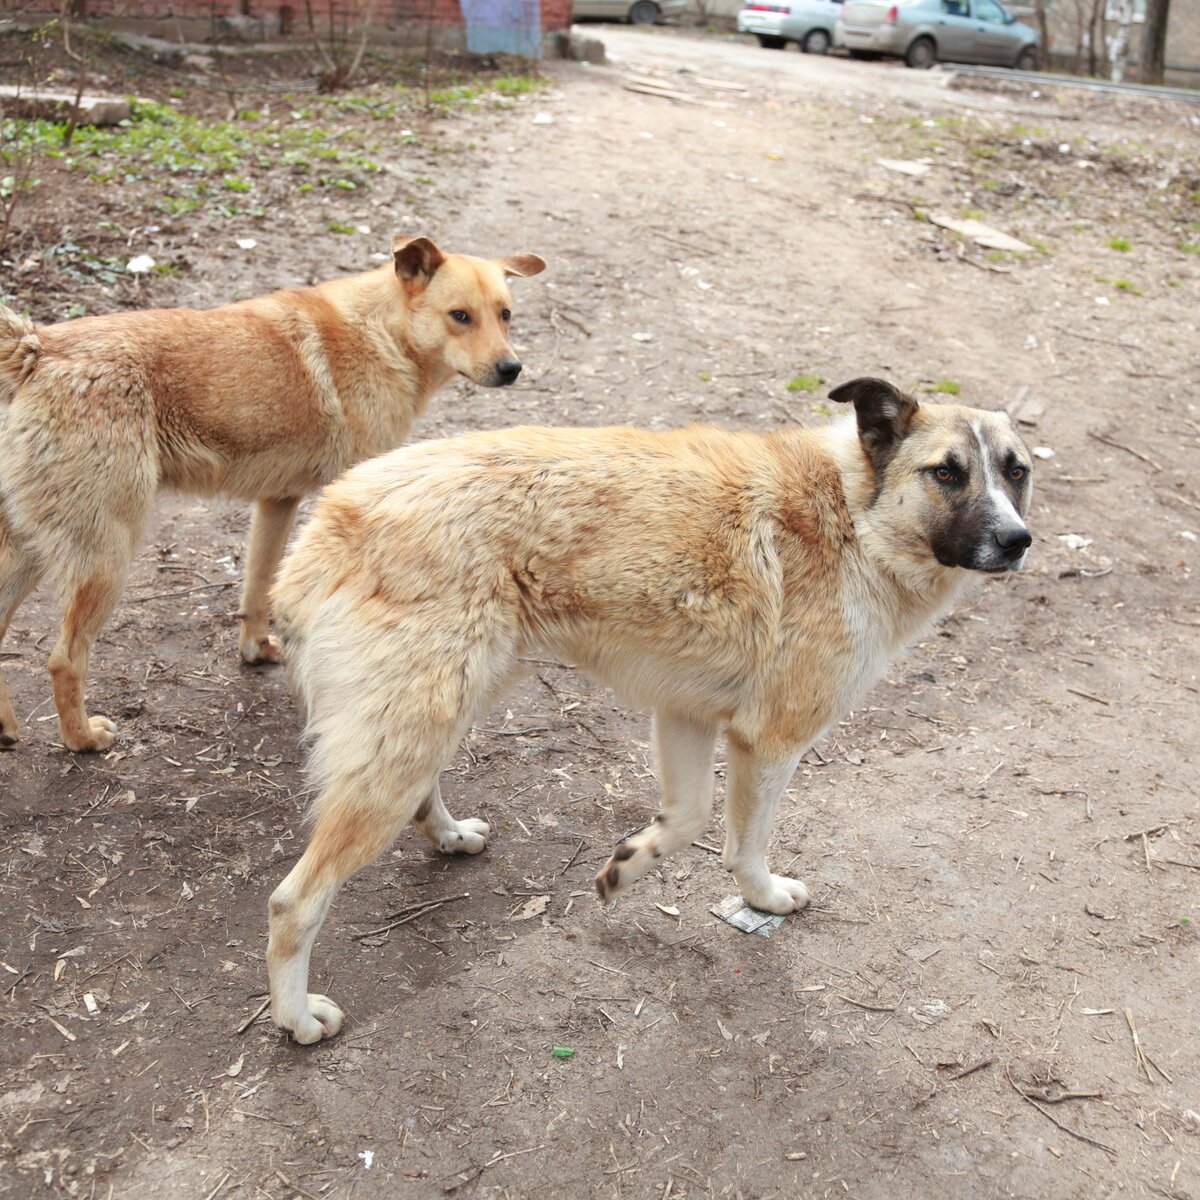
265, 400
744, 584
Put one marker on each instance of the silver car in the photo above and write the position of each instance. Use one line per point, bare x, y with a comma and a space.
636, 12
808, 23
923, 31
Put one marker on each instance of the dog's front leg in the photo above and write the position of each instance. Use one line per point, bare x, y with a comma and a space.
752, 791
270, 525
684, 751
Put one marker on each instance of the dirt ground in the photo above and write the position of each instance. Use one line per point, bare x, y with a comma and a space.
1002, 846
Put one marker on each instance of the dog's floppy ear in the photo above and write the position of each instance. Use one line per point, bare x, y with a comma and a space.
416, 257
522, 264
884, 414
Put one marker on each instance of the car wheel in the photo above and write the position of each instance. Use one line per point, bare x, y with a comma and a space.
816, 41
769, 41
1027, 60
922, 54
644, 12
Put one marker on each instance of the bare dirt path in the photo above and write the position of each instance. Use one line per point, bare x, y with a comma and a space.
1002, 847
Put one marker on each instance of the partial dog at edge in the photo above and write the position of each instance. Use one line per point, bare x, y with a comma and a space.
264, 400
741, 584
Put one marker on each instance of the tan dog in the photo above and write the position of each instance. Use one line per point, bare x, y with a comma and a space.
265, 400
744, 584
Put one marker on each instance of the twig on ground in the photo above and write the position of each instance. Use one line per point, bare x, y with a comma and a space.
258, 1012
1107, 441
1144, 1060
1083, 1137
425, 907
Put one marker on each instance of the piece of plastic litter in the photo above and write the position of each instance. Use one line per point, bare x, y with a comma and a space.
736, 912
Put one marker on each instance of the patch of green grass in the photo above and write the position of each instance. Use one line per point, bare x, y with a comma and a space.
1123, 285
518, 85
1189, 247
970, 214
706, 377
1119, 243
165, 268
821, 409
234, 184
984, 151
338, 227
947, 387
804, 383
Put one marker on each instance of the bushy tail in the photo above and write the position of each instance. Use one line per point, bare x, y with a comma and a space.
20, 349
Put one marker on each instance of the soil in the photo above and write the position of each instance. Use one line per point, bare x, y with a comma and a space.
1002, 846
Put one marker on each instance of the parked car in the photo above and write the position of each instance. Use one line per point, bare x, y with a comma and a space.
923, 31
808, 23
636, 12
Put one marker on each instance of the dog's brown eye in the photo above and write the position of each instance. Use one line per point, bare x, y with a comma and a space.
944, 474
1016, 474
463, 318
505, 315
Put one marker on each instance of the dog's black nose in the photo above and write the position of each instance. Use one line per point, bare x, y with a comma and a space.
507, 370
1014, 540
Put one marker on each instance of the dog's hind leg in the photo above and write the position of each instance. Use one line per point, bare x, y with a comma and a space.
270, 524
683, 749
468, 836
89, 596
355, 824
19, 574
753, 787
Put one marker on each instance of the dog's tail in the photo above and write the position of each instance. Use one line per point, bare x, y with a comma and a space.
20, 349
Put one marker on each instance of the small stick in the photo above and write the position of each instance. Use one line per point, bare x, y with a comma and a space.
983, 1062
258, 1012
1083, 1137
1107, 441
1144, 1060
706, 846
863, 1004
206, 587
572, 858
1178, 862
219, 1186
1146, 852
1137, 1042
1088, 696
358, 937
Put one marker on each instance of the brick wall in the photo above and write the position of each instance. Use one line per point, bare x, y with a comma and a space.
555, 14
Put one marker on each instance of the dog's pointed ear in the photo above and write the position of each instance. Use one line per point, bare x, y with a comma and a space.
884, 414
523, 265
416, 258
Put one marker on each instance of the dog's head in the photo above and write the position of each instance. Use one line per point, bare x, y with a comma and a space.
460, 308
949, 482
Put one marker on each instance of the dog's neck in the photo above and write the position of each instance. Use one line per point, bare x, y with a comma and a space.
907, 582
375, 301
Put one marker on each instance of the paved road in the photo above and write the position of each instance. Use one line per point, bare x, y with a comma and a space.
665, 50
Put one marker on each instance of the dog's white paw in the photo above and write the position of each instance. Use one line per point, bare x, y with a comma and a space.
320, 1019
100, 736
260, 649
468, 836
780, 895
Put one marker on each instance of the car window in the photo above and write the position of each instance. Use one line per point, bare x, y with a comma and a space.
955, 8
989, 10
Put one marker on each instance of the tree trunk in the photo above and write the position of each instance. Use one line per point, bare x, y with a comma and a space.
1154, 40
1120, 46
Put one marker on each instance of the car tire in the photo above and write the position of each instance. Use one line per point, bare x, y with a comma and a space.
1027, 60
816, 41
768, 41
921, 55
644, 12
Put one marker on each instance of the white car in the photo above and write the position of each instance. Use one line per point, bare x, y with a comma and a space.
808, 23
